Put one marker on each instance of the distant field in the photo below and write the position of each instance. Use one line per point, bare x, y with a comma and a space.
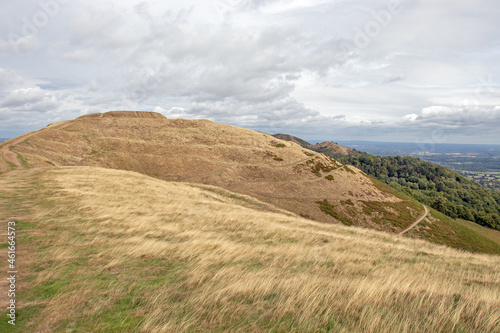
467, 159
489, 179
464, 157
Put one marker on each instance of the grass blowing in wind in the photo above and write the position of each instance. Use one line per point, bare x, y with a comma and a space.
117, 251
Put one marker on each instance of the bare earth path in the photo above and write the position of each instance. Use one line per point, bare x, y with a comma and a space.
416, 222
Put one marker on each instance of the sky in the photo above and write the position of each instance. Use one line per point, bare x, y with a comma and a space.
377, 70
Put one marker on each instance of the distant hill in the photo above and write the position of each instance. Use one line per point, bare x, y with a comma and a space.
292, 138
329, 148
333, 149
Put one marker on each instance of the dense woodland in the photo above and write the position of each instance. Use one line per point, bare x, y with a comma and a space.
433, 185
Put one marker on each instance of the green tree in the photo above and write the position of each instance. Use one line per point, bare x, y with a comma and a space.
440, 204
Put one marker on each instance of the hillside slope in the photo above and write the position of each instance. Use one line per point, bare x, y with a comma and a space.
436, 186
199, 151
104, 250
433, 185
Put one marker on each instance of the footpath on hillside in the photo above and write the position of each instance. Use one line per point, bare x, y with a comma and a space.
10, 156
424, 215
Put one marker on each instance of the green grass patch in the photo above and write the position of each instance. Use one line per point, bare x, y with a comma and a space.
346, 168
24, 161
48, 289
117, 318
11, 165
318, 167
329, 209
21, 225
398, 214
24, 316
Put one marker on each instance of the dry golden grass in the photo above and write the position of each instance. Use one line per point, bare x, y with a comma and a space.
117, 251
199, 151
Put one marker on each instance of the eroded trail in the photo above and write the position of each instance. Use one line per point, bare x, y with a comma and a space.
416, 222
10, 156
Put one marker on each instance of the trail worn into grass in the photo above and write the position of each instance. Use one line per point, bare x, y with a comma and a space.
17, 202
10, 156
420, 219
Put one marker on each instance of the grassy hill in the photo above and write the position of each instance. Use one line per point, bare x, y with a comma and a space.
104, 250
277, 172
445, 190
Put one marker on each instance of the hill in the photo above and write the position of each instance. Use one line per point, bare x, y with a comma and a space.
328, 148
294, 139
333, 149
277, 172
104, 250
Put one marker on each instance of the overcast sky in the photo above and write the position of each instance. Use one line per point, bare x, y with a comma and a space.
388, 70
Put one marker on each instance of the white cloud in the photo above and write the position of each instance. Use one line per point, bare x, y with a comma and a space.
263, 64
410, 117
29, 99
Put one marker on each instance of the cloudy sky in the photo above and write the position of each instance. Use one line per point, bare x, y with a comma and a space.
379, 70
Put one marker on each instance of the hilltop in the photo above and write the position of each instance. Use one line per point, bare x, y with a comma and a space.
280, 173
103, 250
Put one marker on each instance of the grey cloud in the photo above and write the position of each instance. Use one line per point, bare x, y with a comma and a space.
265, 64
460, 117
393, 78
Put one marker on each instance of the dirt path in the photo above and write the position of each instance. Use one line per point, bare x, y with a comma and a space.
10, 156
416, 222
